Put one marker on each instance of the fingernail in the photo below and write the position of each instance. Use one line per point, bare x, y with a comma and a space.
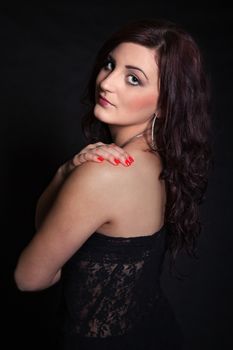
127, 162
100, 158
131, 159
116, 161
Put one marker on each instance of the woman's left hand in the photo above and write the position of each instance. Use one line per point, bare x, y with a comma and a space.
98, 152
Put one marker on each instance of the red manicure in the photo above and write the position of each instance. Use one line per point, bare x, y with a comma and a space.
131, 159
100, 158
116, 161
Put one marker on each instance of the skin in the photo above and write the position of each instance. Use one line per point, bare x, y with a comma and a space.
88, 195
133, 94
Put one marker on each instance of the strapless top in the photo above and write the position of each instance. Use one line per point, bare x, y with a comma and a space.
110, 289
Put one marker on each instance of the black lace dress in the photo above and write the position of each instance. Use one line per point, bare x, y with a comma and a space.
112, 297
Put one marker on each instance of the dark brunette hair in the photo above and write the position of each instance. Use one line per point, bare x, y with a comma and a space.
183, 128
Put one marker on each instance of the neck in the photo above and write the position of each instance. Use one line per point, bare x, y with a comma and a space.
131, 139
123, 136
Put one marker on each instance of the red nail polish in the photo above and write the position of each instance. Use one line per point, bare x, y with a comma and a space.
116, 161
100, 158
131, 159
127, 162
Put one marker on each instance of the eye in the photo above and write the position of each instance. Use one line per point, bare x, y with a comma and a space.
108, 65
133, 80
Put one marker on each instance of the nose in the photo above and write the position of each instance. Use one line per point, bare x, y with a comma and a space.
108, 82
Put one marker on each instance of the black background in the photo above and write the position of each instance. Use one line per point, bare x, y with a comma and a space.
47, 50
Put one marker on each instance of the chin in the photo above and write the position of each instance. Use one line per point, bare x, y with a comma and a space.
100, 114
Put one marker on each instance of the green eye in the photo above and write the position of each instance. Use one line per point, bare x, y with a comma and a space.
133, 80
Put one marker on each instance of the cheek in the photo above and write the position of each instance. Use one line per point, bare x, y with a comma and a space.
100, 76
143, 102
97, 81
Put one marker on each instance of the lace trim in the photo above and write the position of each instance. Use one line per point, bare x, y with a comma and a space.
111, 283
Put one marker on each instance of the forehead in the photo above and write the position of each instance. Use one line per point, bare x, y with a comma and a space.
136, 55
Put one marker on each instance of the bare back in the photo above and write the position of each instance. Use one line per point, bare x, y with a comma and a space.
139, 197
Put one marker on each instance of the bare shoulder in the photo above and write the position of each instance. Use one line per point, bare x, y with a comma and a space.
97, 180
110, 178
145, 160
96, 172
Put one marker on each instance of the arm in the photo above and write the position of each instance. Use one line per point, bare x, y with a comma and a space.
89, 153
82, 205
48, 196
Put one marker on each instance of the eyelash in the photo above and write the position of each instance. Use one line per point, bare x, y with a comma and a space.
109, 61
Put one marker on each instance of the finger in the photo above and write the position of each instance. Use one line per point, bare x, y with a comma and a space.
114, 155
100, 151
121, 151
90, 155
75, 161
93, 146
99, 144
80, 157
113, 146
124, 156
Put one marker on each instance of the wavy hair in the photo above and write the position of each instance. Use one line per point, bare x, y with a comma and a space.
183, 131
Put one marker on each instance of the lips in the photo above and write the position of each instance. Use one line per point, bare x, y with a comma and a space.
104, 101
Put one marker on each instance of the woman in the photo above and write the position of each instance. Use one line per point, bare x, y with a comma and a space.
108, 216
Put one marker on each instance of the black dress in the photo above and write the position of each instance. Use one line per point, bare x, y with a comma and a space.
112, 297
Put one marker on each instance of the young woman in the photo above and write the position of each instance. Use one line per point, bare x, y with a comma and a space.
107, 218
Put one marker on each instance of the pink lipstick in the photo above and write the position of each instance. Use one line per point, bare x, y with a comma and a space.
104, 102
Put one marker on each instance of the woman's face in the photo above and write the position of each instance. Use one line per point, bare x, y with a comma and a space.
127, 86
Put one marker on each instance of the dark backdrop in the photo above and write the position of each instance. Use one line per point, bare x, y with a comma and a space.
47, 50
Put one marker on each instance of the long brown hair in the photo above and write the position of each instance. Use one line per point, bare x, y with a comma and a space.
183, 130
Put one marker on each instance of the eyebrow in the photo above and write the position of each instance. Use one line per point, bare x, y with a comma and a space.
137, 68
129, 66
